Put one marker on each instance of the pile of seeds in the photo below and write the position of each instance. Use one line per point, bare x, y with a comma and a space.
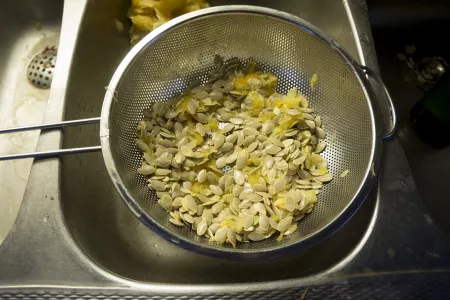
233, 159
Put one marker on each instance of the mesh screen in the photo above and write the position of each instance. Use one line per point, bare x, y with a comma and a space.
186, 52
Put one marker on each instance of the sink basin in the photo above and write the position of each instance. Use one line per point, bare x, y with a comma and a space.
26, 28
74, 238
103, 227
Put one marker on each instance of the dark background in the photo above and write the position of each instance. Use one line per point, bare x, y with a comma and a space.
425, 24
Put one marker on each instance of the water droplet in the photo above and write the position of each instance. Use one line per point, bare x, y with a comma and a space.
46, 218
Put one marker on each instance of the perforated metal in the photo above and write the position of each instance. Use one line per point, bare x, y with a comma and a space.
41, 68
185, 51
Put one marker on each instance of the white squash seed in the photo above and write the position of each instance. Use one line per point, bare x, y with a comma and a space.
253, 175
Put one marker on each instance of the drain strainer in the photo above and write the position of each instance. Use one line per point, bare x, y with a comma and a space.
41, 68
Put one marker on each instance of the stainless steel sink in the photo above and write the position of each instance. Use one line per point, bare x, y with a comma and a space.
105, 229
26, 28
74, 238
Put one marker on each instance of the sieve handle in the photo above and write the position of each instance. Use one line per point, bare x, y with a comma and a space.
51, 153
388, 98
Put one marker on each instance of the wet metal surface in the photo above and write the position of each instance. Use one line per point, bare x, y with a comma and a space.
26, 28
73, 230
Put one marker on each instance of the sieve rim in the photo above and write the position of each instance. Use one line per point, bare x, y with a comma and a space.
344, 215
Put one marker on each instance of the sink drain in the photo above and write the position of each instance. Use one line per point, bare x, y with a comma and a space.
41, 68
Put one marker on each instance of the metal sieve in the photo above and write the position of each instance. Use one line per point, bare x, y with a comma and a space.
162, 65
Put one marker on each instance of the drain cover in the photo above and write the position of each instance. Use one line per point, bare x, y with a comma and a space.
41, 68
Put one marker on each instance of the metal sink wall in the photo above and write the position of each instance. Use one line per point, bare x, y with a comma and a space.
103, 227
393, 29
26, 28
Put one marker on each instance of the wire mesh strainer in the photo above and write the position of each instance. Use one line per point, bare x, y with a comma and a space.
164, 62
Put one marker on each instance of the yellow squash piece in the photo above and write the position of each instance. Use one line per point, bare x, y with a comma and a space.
314, 80
146, 15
